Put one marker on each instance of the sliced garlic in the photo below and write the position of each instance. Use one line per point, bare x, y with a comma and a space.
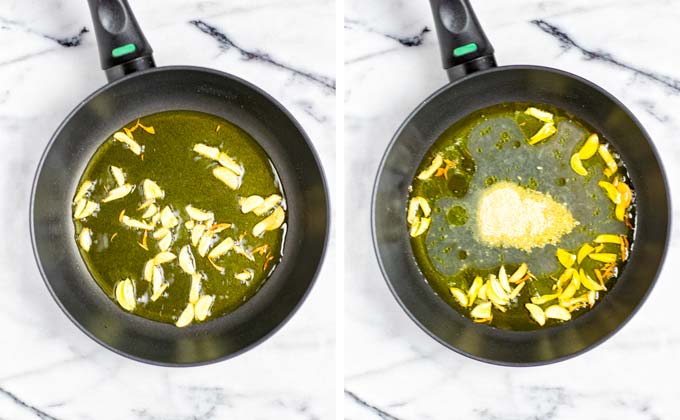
197, 233
430, 170
546, 131
198, 214
589, 148
268, 204
608, 239
565, 258
503, 278
159, 292
186, 316
207, 151
557, 312
160, 233
583, 252
244, 276
118, 193
204, 243
83, 190
148, 270
168, 218
150, 211
165, 243
84, 208
164, 257
151, 190
481, 311
125, 295
608, 159
589, 283
186, 260
229, 163
603, 257
519, 273
473, 292
460, 296
131, 144
248, 204
227, 176
85, 239
118, 175
271, 222
221, 249
539, 114
195, 288
536, 313
136, 224
202, 309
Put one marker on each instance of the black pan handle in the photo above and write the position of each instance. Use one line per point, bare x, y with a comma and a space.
464, 47
123, 49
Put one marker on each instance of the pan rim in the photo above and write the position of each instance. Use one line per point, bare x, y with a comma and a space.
317, 162
376, 244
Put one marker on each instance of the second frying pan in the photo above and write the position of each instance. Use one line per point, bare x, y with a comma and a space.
477, 83
137, 88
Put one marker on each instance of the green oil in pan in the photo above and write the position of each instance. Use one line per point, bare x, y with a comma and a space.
180, 217
521, 216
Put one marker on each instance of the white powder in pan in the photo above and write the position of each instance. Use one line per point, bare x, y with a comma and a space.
513, 216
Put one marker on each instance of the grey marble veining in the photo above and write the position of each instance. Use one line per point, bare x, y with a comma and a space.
392, 63
48, 63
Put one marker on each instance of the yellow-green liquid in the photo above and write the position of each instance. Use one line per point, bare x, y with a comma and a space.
186, 178
489, 146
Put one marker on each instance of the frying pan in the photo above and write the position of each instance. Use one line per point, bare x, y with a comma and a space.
476, 83
137, 88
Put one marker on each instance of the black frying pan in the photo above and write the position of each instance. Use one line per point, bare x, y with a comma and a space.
477, 83
137, 88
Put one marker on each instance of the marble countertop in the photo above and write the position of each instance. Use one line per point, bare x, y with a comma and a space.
393, 370
48, 63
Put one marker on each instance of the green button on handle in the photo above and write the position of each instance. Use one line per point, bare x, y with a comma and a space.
465, 49
123, 50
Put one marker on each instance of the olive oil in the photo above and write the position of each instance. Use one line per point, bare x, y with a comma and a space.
552, 160
167, 189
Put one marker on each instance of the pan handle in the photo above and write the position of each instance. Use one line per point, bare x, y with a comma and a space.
123, 49
464, 47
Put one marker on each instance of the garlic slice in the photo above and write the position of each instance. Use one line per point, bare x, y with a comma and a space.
118, 175
271, 222
202, 307
198, 214
227, 176
268, 204
84, 208
131, 144
118, 193
221, 249
125, 295
83, 190
207, 151
248, 204
151, 190
168, 218
186, 316
85, 239
186, 260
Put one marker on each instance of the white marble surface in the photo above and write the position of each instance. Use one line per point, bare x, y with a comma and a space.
48, 368
393, 369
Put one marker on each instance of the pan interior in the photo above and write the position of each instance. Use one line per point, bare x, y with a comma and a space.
451, 104
494, 144
150, 92
120, 252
